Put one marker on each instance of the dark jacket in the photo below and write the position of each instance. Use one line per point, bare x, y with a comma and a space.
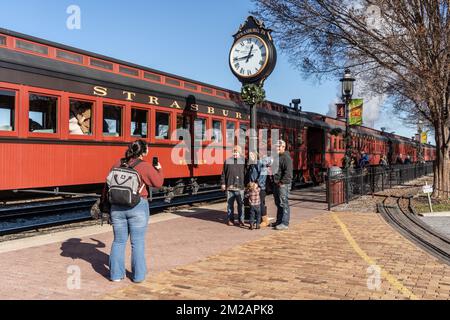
233, 174
252, 173
284, 173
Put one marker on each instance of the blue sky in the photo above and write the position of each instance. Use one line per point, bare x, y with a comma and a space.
187, 38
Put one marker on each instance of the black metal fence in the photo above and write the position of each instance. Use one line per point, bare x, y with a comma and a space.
343, 186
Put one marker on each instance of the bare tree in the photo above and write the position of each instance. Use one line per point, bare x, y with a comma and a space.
398, 47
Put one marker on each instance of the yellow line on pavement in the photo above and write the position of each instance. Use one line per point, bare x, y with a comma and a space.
392, 280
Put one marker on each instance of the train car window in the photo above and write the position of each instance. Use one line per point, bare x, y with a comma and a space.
112, 120
31, 47
200, 129
190, 86
231, 132
7, 107
217, 131
2, 41
183, 127
80, 117
162, 128
129, 71
151, 76
69, 56
173, 82
42, 114
101, 64
242, 133
207, 90
139, 123
291, 138
221, 94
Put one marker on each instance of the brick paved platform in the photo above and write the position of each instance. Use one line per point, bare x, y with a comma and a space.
192, 254
331, 256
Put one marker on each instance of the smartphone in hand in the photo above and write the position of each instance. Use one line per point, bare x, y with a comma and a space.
155, 161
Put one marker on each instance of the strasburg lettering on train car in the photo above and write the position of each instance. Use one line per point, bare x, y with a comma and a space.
153, 100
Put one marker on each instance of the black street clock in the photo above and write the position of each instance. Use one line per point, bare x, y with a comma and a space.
252, 55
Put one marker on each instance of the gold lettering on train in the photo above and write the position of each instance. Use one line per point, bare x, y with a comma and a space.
130, 95
100, 91
194, 107
238, 115
153, 100
175, 105
225, 112
211, 110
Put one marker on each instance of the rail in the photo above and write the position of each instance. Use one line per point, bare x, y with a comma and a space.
410, 226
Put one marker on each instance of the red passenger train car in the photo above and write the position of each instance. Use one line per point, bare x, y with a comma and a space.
66, 115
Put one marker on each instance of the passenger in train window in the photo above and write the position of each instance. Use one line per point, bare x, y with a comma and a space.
80, 117
133, 221
232, 181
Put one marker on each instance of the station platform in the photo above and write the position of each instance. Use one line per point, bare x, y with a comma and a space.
193, 254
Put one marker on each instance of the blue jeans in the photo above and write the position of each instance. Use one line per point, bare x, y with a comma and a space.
255, 212
133, 222
281, 197
231, 196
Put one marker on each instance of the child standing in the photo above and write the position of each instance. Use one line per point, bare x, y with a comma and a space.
255, 204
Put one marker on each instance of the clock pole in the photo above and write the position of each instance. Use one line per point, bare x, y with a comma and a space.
253, 94
252, 76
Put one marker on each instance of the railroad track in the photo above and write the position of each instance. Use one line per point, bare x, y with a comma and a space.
44, 214
410, 226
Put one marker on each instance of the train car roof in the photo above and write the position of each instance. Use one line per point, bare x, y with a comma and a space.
100, 56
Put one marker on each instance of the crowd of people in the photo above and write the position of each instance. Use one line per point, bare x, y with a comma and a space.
243, 181
364, 161
249, 182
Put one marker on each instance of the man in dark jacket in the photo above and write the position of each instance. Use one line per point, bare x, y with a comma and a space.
232, 181
282, 185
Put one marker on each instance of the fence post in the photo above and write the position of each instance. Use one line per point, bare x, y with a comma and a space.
361, 180
346, 177
328, 189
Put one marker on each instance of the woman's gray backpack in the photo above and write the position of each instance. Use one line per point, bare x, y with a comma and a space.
124, 185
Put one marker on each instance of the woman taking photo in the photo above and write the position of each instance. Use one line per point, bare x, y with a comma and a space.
133, 221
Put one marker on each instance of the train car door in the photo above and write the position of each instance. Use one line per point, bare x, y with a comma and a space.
315, 154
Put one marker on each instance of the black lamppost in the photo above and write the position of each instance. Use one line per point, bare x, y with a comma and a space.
347, 92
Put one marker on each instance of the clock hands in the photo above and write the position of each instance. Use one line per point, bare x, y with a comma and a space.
249, 54
245, 57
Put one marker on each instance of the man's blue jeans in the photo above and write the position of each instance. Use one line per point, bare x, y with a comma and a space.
133, 222
231, 196
281, 197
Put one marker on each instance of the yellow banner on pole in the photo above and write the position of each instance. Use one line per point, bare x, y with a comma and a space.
356, 111
423, 137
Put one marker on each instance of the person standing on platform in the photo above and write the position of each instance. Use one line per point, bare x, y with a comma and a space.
252, 193
264, 162
282, 185
232, 181
133, 221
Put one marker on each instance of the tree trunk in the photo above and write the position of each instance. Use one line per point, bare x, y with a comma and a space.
442, 163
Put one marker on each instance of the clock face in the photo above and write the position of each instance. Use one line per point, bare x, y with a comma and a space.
248, 56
